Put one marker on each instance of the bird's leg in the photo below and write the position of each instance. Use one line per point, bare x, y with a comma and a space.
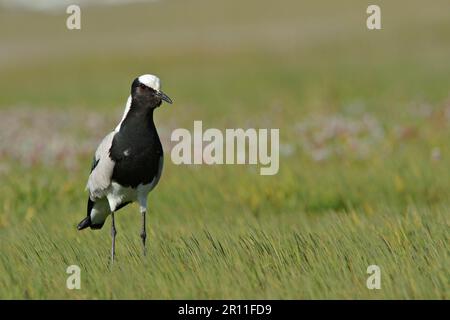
113, 236
143, 232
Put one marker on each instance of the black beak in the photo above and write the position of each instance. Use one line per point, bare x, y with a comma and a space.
164, 97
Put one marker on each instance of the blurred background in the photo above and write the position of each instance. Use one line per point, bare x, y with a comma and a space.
364, 119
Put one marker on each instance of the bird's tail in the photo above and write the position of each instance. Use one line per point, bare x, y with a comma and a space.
97, 212
86, 222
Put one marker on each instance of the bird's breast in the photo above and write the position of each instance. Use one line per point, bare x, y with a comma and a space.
137, 155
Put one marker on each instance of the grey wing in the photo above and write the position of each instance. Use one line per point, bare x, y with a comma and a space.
102, 169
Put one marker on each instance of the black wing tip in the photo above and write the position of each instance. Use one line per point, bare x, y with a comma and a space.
86, 222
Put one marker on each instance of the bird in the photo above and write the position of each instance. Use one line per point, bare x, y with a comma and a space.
128, 163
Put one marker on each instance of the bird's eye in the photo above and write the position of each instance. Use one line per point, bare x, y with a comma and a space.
142, 86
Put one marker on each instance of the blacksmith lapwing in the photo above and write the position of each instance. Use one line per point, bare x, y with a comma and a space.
128, 162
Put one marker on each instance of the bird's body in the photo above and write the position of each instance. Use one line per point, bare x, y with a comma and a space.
128, 162
126, 167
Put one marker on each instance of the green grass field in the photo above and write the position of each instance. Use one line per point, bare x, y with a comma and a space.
364, 178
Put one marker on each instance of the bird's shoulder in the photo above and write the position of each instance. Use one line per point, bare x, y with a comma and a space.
105, 146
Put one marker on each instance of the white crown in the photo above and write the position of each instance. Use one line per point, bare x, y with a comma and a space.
150, 81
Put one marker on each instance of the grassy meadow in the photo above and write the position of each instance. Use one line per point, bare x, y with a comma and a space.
364, 119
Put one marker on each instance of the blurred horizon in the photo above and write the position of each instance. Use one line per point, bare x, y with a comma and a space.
301, 66
55, 6
173, 38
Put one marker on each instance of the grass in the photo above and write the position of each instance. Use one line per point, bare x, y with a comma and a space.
364, 124
250, 255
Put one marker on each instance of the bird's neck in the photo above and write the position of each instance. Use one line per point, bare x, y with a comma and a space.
140, 118
138, 129
142, 112
137, 113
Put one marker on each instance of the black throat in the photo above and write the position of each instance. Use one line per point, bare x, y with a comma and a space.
138, 124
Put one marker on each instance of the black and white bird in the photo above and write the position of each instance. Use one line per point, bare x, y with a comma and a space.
128, 162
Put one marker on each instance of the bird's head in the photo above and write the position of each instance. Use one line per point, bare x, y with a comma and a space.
146, 90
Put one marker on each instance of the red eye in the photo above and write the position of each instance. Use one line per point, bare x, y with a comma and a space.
142, 86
